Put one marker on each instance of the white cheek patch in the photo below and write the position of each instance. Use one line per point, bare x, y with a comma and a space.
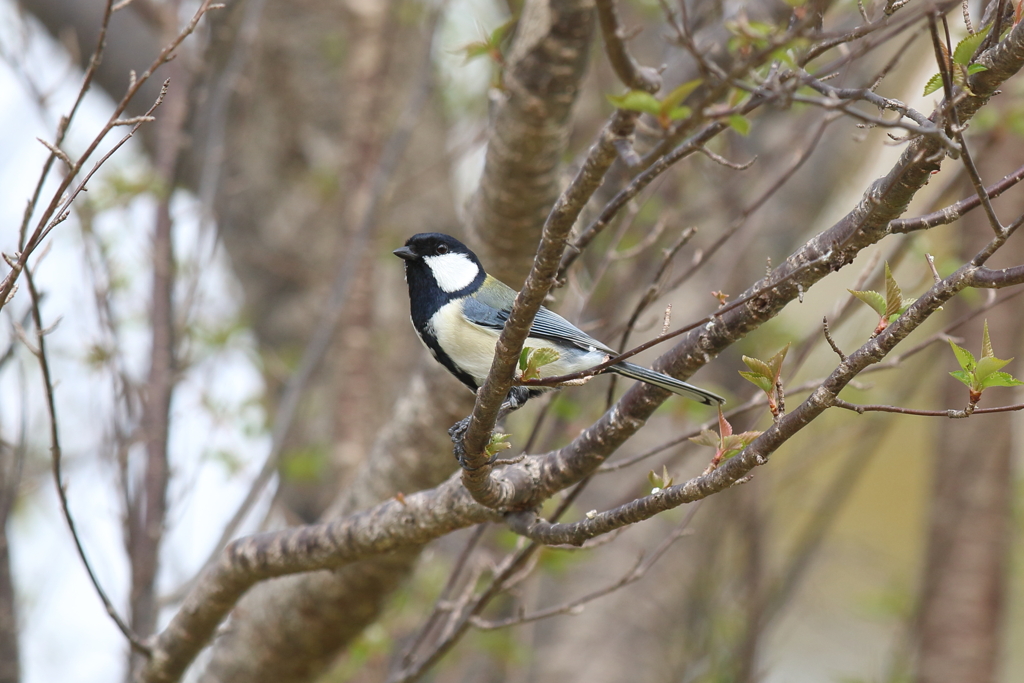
452, 272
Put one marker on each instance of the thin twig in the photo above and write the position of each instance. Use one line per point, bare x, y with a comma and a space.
444, 595
57, 210
943, 59
573, 607
55, 451
334, 307
955, 211
831, 342
952, 414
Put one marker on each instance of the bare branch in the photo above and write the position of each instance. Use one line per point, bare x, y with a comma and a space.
639, 570
626, 68
831, 342
58, 152
945, 65
56, 458
954, 212
56, 210
757, 453
951, 414
500, 379
378, 185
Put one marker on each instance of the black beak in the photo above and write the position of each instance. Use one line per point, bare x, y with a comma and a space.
405, 253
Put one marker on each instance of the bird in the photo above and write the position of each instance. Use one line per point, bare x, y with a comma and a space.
458, 311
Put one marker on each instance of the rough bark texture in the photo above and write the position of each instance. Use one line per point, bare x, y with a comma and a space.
317, 614
965, 572
313, 615
530, 134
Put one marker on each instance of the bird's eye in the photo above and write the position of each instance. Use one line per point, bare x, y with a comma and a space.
442, 249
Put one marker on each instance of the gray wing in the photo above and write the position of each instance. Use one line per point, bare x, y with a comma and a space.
547, 325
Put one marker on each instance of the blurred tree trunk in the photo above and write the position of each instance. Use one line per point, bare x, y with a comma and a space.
9, 480
965, 575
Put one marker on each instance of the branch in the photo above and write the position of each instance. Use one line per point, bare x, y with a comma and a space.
827, 252
736, 469
476, 472
952, 414
626, 68
586, 236
58, 478
943, 59
639, 570
57, 209
997, 279
389, 526
954, 212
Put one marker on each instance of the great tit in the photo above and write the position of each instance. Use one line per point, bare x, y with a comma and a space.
459, 310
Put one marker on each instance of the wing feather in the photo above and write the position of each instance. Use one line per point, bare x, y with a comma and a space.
546, 325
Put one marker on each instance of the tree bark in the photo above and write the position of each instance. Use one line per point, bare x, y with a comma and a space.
964, 587
10, 476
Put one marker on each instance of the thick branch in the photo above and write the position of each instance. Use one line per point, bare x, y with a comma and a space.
758, 452
834, 248
530, 135
528, 302
392, 525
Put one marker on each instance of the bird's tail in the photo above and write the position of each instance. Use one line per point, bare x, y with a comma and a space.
672, 384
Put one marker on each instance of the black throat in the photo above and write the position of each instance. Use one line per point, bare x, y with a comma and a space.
426, 298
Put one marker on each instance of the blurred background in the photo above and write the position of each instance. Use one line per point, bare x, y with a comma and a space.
301, 142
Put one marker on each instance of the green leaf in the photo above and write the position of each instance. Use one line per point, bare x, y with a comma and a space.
873, 299
987, 365
472, 51
659, 481
740, 124
737, 442
964, 377
636, 100
934, 83
490, 46
732, 443
497, 444
747, 438
775, 362
679, 113
966, 48
544, 356
707, 438
964, 357
523, 358
678, 94
1000, 379
976, 69
986, 343
893, 295
763, 383
758, 366
537, 359
499, 34
784, 55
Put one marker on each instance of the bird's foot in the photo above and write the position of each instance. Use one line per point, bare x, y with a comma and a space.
457, 432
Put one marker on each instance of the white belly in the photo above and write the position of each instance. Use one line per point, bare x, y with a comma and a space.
472, 347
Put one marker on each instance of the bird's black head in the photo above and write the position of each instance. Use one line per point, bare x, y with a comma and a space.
438, 268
